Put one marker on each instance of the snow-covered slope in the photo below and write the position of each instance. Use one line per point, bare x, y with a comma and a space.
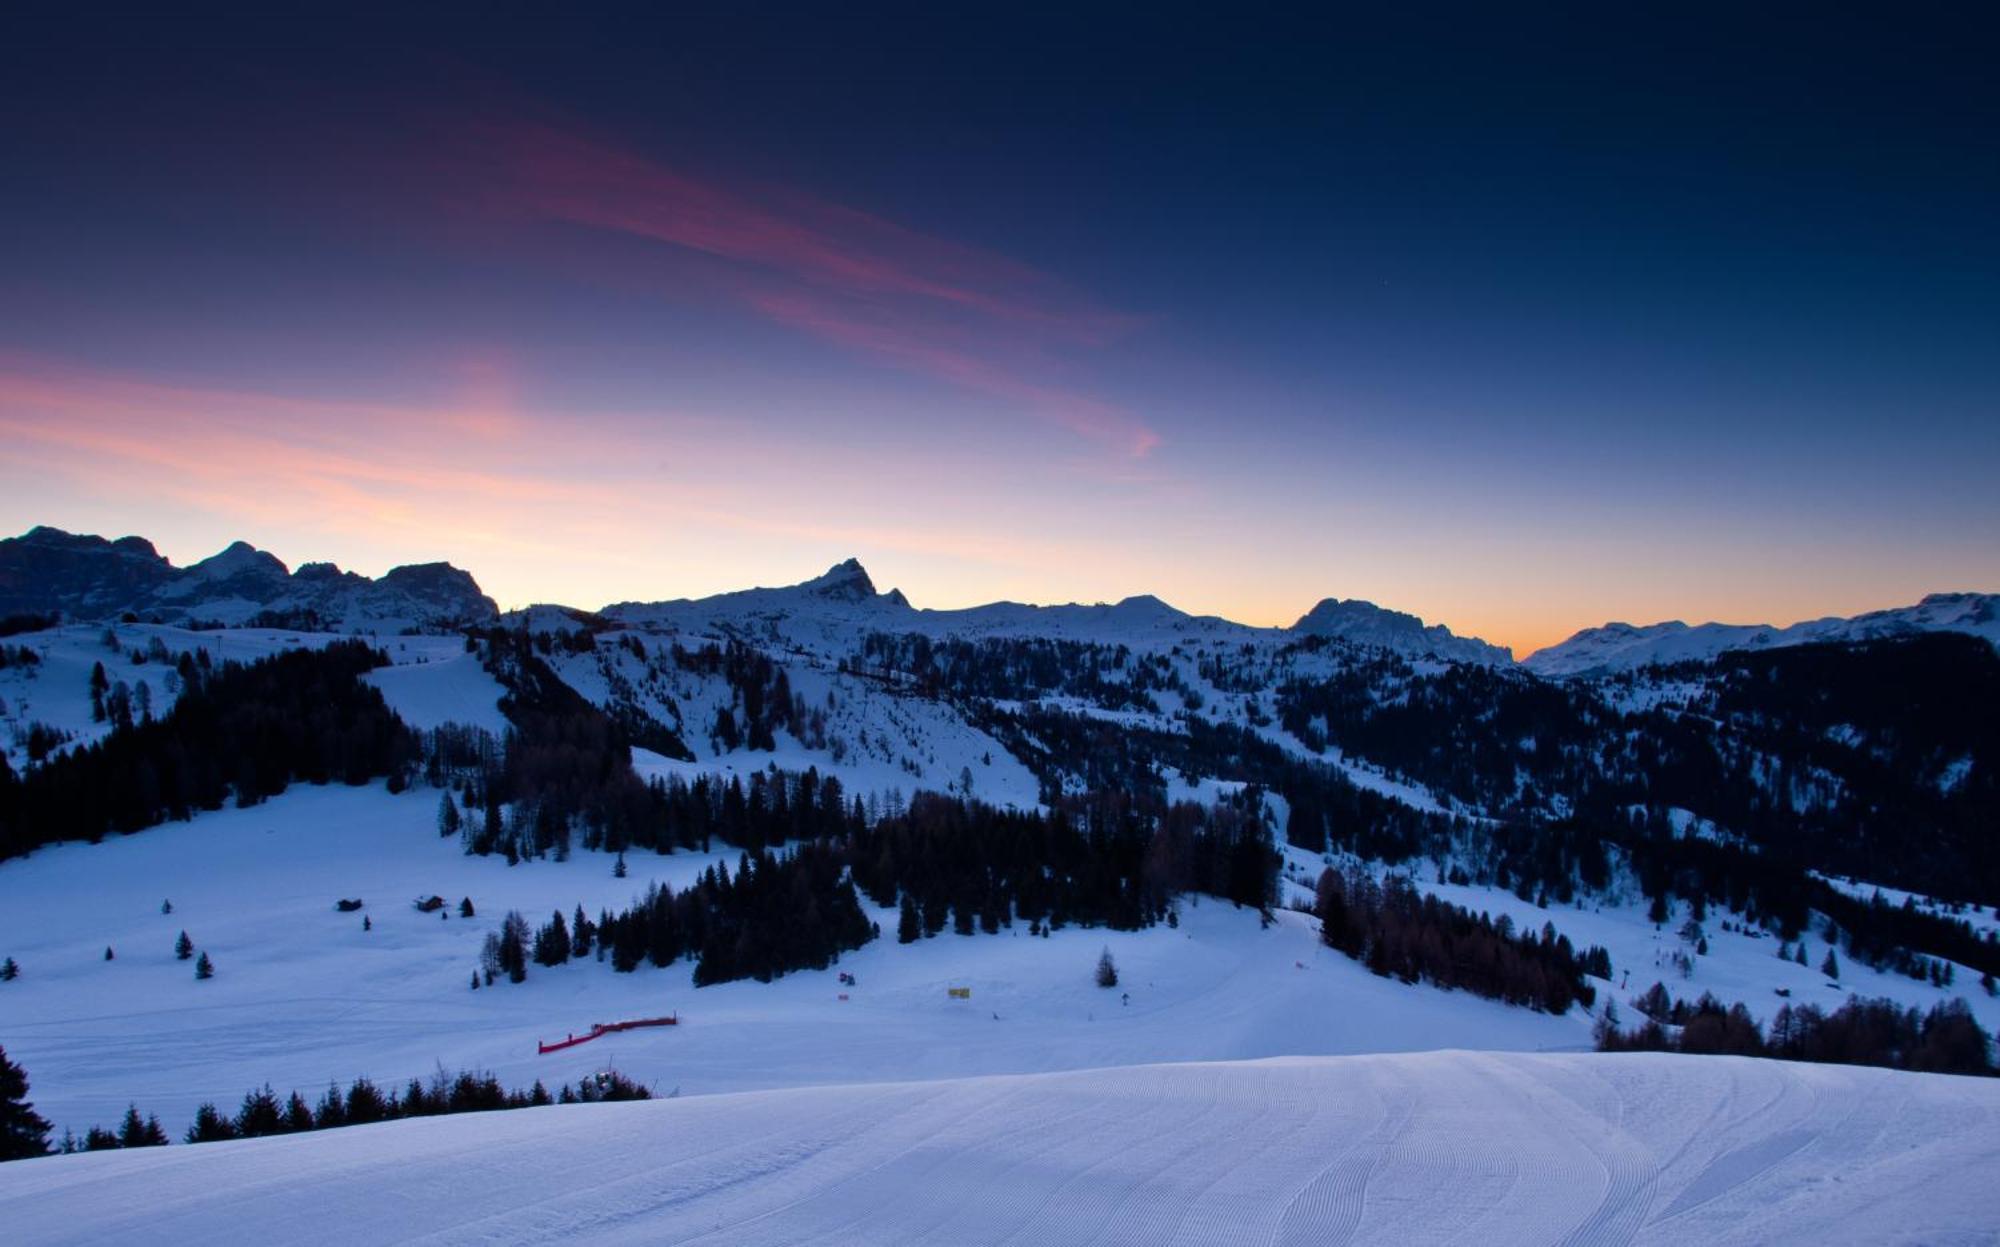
54, 690
1432, 1148
303, 995
1622, 647
85, 577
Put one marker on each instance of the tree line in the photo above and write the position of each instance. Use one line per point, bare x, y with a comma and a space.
1400, 933
25, 1134
244, 731
1946, 1039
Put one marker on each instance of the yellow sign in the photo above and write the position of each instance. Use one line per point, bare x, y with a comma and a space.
960, 993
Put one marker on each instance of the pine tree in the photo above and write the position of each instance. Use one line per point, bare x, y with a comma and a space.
9, 971
23, 1132
108, 954
166, 907
210, 1126
514, 946
137, 1132
99, 685
909, 926
1107, 970
465, 909
1831, 966
448, 818
204, 968
183, 947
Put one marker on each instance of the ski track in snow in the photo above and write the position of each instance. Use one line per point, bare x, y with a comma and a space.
1433, 1148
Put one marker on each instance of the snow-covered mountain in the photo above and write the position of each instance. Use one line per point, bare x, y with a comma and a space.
81, 577
1365, 623
844, 599
1623, 647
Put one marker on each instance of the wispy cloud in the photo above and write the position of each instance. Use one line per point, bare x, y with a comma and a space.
925, 305
527, 500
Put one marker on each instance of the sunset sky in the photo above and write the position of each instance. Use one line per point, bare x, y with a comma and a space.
1520, 326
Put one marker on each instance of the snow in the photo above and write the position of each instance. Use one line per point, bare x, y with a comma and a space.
451, 689
1623, 647
1446, 1146
1219, 1094
303, 996
1984, 920
1740, 965
56, 691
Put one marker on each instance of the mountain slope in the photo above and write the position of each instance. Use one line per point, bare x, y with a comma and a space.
1623, 647
1417, 1148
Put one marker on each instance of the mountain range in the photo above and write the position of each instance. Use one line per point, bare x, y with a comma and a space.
82, 577
49, 571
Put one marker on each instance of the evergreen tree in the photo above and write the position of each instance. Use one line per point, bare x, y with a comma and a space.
260, 1114
909, 926
9, 971
183, 947
210, 1126
108, 954
465, 909
1831, 966
552, 942
298, 1115
513, 951
331, 1112
1107, 970
204, 968
166, 907
449, 821
137, 1132
23, 1132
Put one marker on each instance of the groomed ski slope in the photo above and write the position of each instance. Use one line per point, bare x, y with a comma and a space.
1442, 1147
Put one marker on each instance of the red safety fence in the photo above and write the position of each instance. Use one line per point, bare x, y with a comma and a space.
598, 1029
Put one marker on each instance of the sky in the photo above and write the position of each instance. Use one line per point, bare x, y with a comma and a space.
1519, 323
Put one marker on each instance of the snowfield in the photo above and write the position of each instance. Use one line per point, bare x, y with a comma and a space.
1442, 1147
304, 996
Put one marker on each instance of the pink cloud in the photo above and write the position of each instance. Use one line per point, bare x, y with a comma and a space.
925, 305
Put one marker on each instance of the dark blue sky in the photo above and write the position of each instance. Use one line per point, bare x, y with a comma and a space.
1519, 322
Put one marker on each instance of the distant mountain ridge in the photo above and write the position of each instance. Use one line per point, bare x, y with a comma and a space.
84, 577
1368, 624
845, 596
1623, 647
